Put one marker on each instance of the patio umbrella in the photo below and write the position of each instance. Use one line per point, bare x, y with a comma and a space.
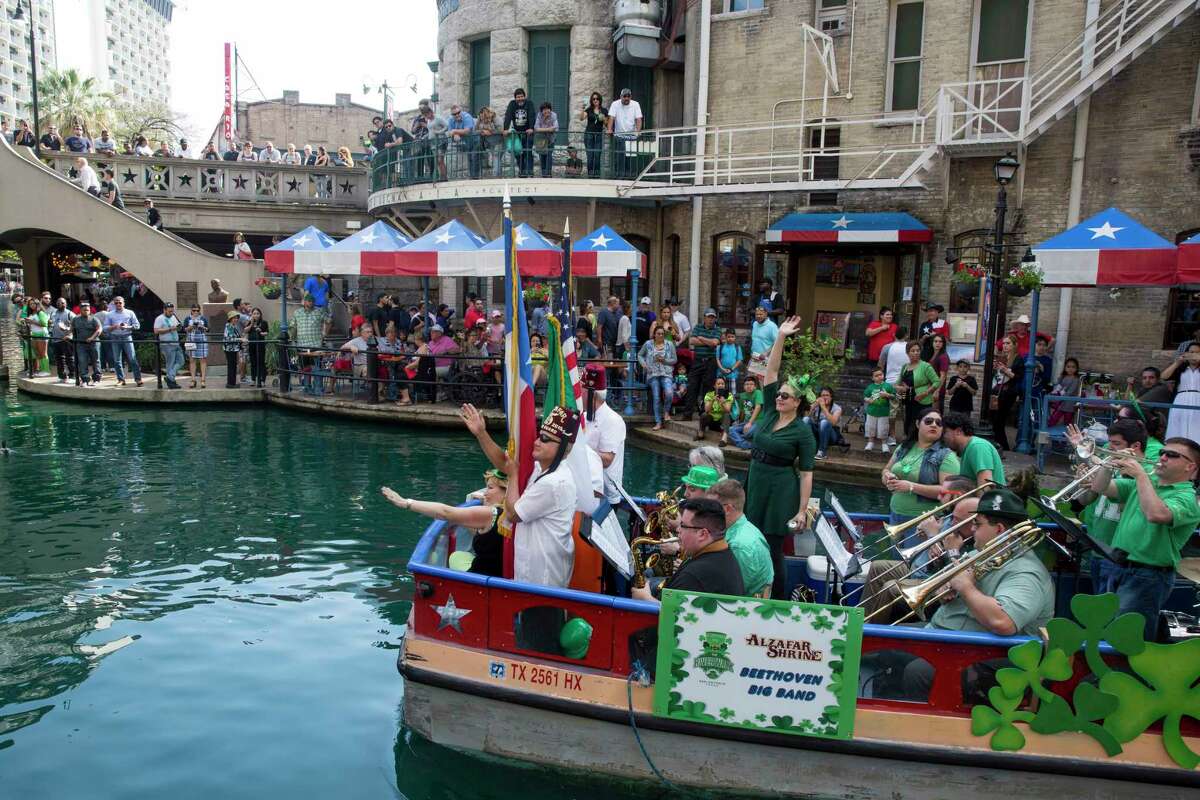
603, 253
449, 251
371, 251
537, 256
300, 252
1109, 249
1188, 265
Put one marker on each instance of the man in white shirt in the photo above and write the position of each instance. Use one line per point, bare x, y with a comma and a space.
544, 550
270, 154
185, 150
88, 181
624, 123
605, 431
892, 359
679, 318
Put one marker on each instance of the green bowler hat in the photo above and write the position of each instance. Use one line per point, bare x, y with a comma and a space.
575, 638
701, 477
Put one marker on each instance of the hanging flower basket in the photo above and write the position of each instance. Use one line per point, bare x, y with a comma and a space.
1014, 289
269, 288
537, 293
967, 291
966, 279
1024, 278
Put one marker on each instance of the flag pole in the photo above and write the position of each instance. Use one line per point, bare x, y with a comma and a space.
564, 288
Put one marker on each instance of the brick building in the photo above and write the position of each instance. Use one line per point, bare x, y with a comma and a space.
286, 119
817, 106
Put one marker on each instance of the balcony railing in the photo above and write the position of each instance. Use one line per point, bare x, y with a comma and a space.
239, 181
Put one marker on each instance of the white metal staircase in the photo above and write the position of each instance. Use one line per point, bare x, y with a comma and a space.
977, 117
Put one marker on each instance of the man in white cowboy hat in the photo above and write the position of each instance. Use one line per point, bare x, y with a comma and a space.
1020, 329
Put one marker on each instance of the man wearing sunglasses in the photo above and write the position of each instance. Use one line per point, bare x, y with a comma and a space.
709, 564
1159, 515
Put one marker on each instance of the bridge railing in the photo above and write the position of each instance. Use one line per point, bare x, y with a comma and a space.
238, 181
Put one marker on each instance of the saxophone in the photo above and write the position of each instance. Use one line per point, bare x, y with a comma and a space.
657, 529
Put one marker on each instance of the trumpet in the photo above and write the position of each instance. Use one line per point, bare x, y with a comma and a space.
898, 531
1010, 544
1085, 451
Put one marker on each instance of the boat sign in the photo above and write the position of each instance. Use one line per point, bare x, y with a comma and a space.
760, 664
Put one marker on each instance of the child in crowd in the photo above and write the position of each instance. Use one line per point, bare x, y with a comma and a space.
746, 409
717, 405
961, 388
1063, 411
1043, 367
680, 385
729, 358
879, 425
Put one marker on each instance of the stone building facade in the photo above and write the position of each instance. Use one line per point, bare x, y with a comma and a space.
286, 119
895, 62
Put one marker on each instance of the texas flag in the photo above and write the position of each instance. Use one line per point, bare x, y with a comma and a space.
1109, 249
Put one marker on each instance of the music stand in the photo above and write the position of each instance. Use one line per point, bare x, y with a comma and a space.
1076, 534
841, 564
843, 518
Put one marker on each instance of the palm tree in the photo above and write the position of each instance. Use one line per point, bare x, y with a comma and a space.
64, 98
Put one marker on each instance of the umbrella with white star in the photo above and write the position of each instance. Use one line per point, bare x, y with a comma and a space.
537, 256
1108, 249
603, 253
449, 251
300, 252
371, 251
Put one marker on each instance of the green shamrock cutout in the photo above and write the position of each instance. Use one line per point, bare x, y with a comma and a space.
1096, 613
770, 611
1171, 672
727, 713
822, 624
706, 604
690, 617
761, 717
1092, 706
998, 720
742, 611
1030, 667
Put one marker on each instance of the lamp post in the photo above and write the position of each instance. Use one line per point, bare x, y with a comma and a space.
17, 14
1005, 169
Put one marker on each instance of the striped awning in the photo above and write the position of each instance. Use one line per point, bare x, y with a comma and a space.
846, 228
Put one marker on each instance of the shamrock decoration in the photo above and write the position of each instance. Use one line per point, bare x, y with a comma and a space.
690, 617
742, 611
1097, 613
1171, 672
1030, 667
761, 717
999, 717
769, 610
727, 714
821, 623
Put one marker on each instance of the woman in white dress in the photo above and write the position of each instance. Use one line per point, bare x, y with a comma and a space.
1186, 371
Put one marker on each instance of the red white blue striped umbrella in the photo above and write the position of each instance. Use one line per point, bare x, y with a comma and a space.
536, 255
371, 251
848, 227
603, 253
1109, 249
1189, 261
300, 252
450, 251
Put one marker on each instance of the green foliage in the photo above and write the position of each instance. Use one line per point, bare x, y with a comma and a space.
814, 356
1169, 693
144, 352
66, 97
1027, 276
272, 356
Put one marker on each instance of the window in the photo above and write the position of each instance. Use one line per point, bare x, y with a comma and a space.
821, 139
742, 5
904, 60
733, 263
1001, 34
481, 74
550, 74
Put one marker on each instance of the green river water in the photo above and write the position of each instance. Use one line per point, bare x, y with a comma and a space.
207, 603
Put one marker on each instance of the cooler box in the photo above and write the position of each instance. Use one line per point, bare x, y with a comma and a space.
816, 569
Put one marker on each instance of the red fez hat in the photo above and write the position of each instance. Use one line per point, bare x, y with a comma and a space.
594, 377
563, 423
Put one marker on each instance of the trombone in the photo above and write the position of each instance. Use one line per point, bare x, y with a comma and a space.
908, 555
897, 531
1014, 542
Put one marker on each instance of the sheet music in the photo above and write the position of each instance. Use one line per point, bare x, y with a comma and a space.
846, 564
843, 517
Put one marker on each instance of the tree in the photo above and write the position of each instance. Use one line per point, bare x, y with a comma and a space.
155, 121
65, 97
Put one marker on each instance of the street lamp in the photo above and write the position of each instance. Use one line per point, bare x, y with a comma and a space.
17, 14
1005, 169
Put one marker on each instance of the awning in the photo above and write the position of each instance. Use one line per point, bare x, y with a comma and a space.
450, 251
1189, 261
536, 255
847, 228
603, 253
300, 252
1109, 249
371, 251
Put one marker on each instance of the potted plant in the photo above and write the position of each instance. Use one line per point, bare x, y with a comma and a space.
1024, 278
538, 293
269, 288
966, 278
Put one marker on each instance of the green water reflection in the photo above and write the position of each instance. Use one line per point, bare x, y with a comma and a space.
207, 603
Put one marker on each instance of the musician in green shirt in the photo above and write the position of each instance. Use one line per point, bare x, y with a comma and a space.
748, 544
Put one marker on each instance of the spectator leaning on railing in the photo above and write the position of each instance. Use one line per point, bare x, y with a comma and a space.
518, 122
77, 142
461, 129
624, 123
595, 117
545, 129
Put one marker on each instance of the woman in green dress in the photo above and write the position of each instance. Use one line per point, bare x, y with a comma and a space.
781, 459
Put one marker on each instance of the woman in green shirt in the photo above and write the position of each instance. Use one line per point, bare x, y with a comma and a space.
781, 460
37, 323
916, 470
921, 383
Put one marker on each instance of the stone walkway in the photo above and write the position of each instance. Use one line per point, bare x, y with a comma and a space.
109, 391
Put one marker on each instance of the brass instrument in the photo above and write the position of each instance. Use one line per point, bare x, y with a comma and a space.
1086, 451
908, 555
1010, 544
897, 531
657, 531
640, 567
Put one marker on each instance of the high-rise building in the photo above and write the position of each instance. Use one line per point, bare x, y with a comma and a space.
121, 43
14, 52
